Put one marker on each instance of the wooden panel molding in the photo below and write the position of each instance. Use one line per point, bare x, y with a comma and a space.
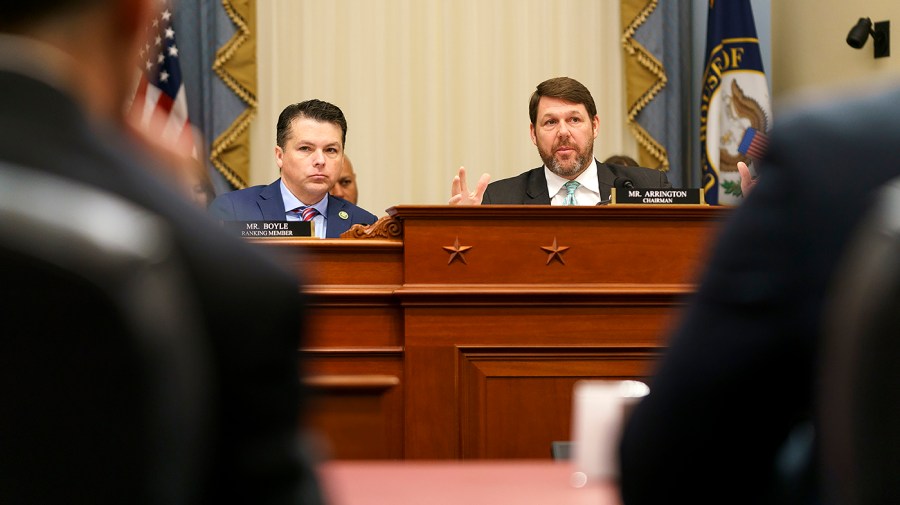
458, 332
356, 401
514, 402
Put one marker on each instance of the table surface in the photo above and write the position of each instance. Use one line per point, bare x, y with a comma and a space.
472, 482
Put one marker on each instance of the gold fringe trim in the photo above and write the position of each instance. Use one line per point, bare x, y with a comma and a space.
225, 142
646, 62
228, 141
226, 52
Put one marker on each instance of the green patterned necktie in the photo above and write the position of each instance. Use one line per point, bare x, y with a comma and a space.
571, 186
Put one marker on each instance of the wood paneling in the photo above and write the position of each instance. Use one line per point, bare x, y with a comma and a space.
412, 355
356, 401
515, 402
609, 245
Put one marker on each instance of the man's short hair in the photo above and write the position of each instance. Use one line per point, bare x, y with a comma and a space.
317, 110
564, 88
18, 15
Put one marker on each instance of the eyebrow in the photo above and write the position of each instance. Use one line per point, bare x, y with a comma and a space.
303, 142
569, 112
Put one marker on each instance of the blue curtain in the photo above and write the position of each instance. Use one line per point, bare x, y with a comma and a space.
667, 35
202, 27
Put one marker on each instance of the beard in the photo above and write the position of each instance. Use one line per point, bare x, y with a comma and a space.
571, 168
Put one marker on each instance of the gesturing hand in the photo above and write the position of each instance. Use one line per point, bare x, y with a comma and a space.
747, 180
459, 190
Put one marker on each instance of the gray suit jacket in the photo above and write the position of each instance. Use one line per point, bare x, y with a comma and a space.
530, 188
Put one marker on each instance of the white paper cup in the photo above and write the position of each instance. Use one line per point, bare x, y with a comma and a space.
599, 408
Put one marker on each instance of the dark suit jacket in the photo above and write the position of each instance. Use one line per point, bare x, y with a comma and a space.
249, 308
264, 203
740, 373
530, 187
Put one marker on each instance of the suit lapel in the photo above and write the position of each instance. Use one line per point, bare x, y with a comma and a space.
336, 224
270, 202
536, 190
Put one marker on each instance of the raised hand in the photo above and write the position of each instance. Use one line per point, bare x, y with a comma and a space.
747, 180
459, 189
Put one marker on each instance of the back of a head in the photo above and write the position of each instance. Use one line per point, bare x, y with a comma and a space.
16, 16
99, 40
860, 397
621, 159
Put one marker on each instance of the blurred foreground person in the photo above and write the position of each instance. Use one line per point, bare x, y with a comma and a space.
731, 416
66, 70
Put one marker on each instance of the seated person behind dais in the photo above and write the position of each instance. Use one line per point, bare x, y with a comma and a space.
309, 153
621, 159
346, 184
564, 124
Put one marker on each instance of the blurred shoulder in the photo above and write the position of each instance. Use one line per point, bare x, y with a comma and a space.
875, 114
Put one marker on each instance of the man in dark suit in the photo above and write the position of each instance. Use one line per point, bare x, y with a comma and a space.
564, 124
309, 152
731, 410
66, 71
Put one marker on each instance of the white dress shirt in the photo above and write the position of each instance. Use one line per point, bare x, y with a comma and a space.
291, 202
588, 193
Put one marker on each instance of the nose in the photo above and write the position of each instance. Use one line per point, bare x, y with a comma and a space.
318, 158
563, 130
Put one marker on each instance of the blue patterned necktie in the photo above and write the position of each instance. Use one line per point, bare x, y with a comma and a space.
571, 186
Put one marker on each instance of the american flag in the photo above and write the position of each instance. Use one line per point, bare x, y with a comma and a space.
754, 143
160, 103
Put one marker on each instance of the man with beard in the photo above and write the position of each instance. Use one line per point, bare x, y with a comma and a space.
564, 124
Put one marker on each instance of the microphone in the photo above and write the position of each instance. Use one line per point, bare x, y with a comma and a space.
623, 183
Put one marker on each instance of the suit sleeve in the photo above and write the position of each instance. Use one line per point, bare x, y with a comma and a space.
486, 198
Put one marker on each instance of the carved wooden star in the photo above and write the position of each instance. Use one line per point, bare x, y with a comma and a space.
555, 252
457, 252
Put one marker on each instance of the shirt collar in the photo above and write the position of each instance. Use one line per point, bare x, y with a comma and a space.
588, 179
291, 202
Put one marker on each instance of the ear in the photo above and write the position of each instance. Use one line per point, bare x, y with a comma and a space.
596, 125
279, 157
534, 137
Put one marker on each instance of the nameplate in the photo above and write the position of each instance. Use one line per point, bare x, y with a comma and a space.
657, 197
269, 229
